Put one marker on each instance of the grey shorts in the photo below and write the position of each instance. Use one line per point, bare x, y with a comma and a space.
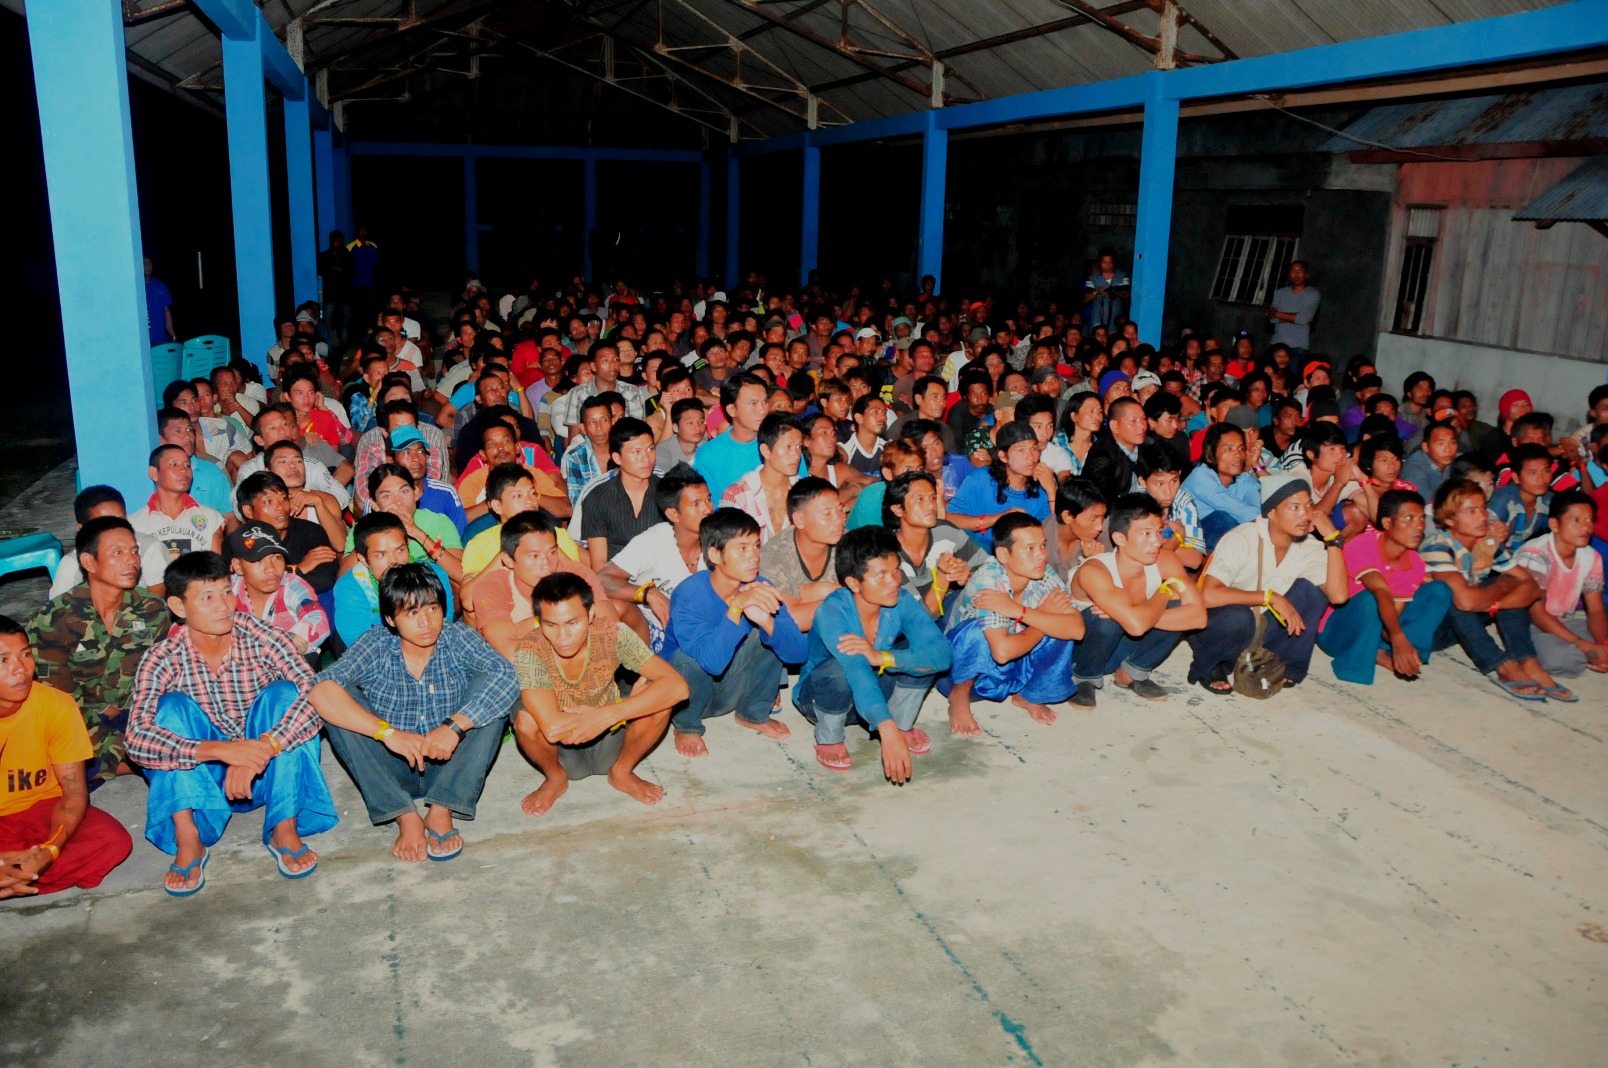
594, 758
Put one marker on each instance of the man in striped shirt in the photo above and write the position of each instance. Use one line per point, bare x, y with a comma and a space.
220, 722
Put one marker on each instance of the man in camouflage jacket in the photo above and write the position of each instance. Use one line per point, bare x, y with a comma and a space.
88, 642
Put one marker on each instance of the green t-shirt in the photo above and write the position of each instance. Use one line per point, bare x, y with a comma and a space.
432, 523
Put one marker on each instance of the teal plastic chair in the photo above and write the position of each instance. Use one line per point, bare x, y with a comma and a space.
166, 363
202, 354
28, 552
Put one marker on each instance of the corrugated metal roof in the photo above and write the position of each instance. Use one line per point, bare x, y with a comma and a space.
1581, 197
790, 47
1565, 113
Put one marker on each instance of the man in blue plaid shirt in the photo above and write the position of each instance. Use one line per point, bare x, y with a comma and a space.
581, 464
415, 710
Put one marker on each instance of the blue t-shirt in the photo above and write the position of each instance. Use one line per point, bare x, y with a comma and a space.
723, 460
157, 301
210, 486
979, 495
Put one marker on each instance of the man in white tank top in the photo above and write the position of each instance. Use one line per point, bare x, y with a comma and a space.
1137, 603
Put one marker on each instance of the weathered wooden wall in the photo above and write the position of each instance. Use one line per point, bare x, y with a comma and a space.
1494, 281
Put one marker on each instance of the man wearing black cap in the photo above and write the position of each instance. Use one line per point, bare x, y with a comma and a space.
265, 587
1287, 563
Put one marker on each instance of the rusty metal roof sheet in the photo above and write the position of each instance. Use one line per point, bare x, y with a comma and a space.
1565, 113
1581, 197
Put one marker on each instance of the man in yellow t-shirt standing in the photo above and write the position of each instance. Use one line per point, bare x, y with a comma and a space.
50, 837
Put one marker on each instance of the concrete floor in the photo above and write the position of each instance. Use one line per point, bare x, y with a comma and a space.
1415, 874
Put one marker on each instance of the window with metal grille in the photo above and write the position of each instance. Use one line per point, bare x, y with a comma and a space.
1121, 214
1417, 254
1252, 266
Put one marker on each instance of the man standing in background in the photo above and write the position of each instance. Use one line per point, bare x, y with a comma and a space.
1293, 309
158, 306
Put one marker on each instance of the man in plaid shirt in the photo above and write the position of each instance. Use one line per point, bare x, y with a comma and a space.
581, 464
416, 710
220, 722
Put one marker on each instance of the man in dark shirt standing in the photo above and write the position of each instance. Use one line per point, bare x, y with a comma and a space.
335, 268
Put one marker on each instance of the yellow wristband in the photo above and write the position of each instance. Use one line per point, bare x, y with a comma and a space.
55, 853
384, 730
271, 740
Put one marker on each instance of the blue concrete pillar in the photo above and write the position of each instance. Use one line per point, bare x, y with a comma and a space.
324, 178
930, 228
734, 204
588, 218
809, 250
471, 216
1158, 159
342, 170
299, 187
81, 82
246, 118
704, 178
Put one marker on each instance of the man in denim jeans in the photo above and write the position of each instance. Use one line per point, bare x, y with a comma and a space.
448, 694
732, 635
1486, 584
1137, 604
874, 653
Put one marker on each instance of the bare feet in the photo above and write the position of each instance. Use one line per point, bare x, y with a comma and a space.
1041, 713
409, 838
691, 745
771, 728
539, 800
634, 786
961, 721
1384, 660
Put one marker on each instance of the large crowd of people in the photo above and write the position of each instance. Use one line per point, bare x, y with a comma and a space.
588, 518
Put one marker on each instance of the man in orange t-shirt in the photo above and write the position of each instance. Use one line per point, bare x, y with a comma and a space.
50, 837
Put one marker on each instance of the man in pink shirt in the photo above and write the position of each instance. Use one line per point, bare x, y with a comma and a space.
1394, 626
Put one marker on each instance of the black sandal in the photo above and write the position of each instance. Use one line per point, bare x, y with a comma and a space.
1216, 679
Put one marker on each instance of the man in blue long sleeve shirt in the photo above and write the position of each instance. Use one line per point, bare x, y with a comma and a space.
874, 652
732, 635
1226, 494
415, 710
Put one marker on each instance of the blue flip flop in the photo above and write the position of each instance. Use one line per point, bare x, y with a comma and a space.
185, 871
280, 855
1510, 685
1556, 693
439, 838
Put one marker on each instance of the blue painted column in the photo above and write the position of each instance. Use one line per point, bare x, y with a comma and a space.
343, 189
81, 83
246, 117
704, 177
809, 250
1158, 159
324, 178
471, 216
588, 217
930, 228
299, 187
734, 206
